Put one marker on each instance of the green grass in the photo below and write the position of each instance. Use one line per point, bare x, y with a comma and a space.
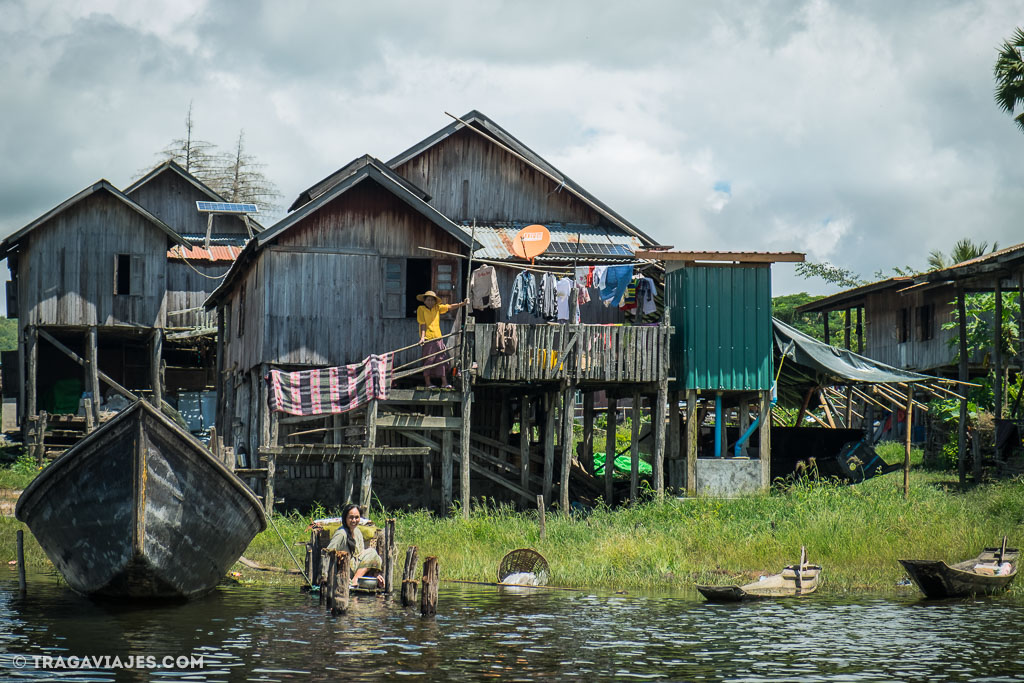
18, 469
857, 533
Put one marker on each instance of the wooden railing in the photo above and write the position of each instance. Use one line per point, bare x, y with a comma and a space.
573, 352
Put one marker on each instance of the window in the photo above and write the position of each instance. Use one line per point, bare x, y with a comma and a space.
904, 328
404, 279
926, 322
123, 274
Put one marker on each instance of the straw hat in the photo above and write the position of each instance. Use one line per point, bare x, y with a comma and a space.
429, 292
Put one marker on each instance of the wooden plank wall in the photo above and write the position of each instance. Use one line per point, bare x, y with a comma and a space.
470, 178
187, 289
172, 199
66, 267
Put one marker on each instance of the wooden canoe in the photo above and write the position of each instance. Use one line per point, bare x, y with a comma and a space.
936, 579
141, 509
793, 581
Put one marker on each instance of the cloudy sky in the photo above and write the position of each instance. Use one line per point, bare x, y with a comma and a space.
863, 133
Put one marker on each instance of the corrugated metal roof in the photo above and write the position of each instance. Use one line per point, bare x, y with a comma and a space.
497, 239
223, 239
214, 253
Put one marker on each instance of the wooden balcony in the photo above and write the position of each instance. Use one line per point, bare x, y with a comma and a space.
575, 353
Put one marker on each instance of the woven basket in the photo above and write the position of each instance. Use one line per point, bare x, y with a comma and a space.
524, 560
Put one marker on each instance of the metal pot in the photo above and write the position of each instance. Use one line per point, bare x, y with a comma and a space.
368, 582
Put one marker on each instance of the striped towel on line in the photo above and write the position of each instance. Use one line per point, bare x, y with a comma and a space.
331, 390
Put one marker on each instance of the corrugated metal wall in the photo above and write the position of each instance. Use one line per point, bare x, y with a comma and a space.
723, 321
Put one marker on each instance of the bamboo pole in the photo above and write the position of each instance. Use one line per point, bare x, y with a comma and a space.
906, 452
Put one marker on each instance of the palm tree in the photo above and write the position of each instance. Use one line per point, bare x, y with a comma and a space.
1009, 73
963, 250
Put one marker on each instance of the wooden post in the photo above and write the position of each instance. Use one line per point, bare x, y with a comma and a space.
848, 412
92, 374
366, 487
961, 442
540, 516
551, 401
674, 480
409, 582
743, 410
31, 369
691, 442
828, 334
156, 354
658, 421
340, 590
634, 449
428, 596
40, 438
464, 434
22, 419
327, 589
847, 319
588, 432
609, 448
22, 586
90, 422
860, 329
389, 562
764, 436
906, 450
997, 349
568, 420
524, 443
447, 463
272, 435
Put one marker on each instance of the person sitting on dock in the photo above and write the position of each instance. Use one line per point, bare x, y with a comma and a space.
349, 538
435, 354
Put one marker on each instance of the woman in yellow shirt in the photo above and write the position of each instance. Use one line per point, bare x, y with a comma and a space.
434, 351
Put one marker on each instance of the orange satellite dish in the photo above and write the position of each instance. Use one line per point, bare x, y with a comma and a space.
531, 242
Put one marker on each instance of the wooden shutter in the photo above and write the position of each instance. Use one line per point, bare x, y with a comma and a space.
444, 280
138, 275
394, 288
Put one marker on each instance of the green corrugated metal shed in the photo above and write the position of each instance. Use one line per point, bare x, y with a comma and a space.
723, 321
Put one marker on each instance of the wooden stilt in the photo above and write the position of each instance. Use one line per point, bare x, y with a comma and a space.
961, 442
90, 422
524, 443
389, 563
409, 582
658, 421
764, 437
92, 374
447, 464
342, 576
428, 595
997, 349
692, 425
588, 432
611, 423
464, 434
568, 415
40, 438
541, 512
366, 487
744, 414
550, 401
22, 585
634, 449
327, 591
906, 450
673, 441
156, 353
31, 370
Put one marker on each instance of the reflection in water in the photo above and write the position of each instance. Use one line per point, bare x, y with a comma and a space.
264, 634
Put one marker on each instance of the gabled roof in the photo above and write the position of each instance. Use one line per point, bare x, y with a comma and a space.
850, 297
345, 171
100, 186
364, 168
503, 137
175, 167
1008, 259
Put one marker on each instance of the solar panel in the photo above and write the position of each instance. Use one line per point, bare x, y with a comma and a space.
226, 207
588, 249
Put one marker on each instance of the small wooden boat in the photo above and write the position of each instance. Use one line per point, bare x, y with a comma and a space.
141, 509
990, 572
794, 580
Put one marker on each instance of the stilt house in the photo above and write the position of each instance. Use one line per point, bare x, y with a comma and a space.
108, 290
337, 280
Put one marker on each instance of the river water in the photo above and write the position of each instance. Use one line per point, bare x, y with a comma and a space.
266, 634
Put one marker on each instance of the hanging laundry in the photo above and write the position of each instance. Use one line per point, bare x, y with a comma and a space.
583, 295
506, 339
645, 294
524, 294
628, 302
616, 279
563, 289
546, 302
483, 289
597, 276
584, 276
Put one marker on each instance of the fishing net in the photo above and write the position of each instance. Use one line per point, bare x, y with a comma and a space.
524, 561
